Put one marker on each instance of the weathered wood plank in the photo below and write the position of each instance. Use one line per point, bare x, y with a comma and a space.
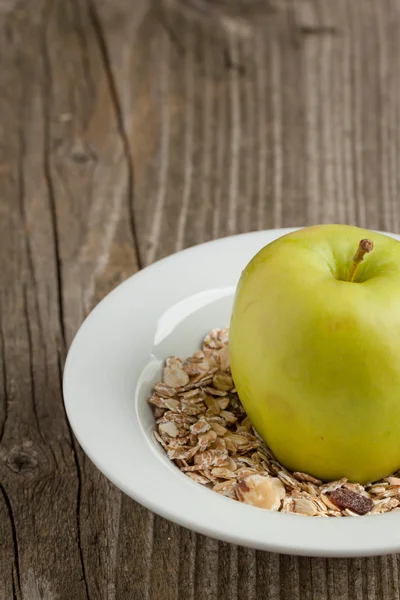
92, 179
63, 145
293, 96
37, 462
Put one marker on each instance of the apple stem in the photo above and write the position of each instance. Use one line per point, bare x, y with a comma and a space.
364, 248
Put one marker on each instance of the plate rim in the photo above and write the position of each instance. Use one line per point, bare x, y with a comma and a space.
305, 548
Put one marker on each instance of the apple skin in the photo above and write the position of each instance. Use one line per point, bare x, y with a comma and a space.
316, 359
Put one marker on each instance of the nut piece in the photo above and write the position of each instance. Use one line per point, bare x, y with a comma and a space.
357, 503
264, 492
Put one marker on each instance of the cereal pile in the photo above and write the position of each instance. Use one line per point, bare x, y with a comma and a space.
203, 428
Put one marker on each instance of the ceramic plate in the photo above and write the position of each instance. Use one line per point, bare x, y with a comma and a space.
113, 362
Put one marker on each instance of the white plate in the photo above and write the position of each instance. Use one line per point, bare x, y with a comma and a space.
117, 356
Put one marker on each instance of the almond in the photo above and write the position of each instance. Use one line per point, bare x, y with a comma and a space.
260, 491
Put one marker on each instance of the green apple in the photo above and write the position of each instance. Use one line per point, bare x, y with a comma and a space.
315, 351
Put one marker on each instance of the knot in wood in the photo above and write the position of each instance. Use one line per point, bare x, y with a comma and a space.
21, 460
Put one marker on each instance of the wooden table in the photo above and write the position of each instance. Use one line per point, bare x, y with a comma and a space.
129, 130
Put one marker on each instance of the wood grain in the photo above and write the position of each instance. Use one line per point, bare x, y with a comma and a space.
130, 130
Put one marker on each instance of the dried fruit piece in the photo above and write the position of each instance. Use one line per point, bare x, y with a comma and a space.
346, 499
264, 492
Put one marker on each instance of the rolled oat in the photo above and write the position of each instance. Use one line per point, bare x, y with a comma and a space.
203, 428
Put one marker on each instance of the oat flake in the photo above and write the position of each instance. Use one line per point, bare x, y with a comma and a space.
204, 430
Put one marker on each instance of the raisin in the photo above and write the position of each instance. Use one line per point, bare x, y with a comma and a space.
347, 499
